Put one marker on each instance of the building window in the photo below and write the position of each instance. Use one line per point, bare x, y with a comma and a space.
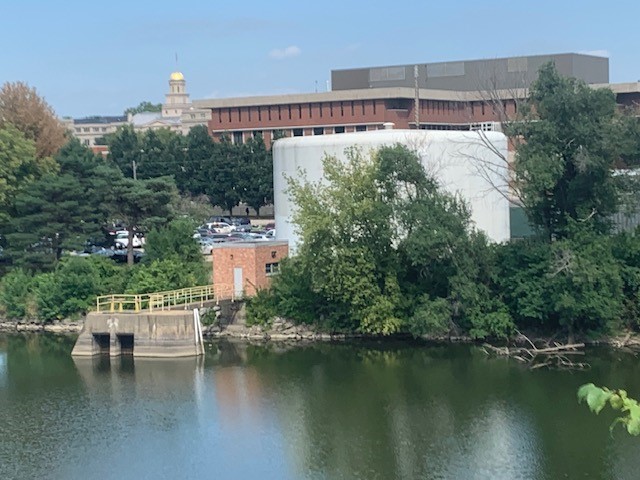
104, 129
374, 107
289, 112
320, 108
257, 133
318, 131
239, 114
310, 112
237, 138
331, 109
361, 128
341, 109
352, 108
297, 132
279, 113
229, 112
272, 268
300, 110
362, 107
85, 129
338, 130
86, 141
269, 112
259, 114
78, 130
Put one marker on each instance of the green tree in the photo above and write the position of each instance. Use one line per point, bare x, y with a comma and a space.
175, 242
61, 210
224, 173
142, 204
144, 106
570, 142
256, 176
19, 166
193, 176
125, 149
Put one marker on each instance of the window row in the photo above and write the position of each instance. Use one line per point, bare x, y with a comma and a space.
297, 111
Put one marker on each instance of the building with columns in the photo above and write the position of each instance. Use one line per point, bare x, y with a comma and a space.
177, 114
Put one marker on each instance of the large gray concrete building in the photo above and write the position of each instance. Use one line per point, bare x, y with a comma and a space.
473, 75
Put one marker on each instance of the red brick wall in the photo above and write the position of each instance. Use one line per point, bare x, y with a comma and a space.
252, 259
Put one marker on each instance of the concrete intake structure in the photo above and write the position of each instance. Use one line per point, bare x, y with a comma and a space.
171, 333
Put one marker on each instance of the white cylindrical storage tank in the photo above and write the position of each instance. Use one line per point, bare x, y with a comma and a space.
471, 164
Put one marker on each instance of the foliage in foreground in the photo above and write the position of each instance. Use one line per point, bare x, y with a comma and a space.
70, 289
597, 399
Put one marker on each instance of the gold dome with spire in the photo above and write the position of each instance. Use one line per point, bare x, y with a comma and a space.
176, 76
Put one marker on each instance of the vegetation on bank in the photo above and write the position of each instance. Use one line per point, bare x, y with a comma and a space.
385, 250
55, 195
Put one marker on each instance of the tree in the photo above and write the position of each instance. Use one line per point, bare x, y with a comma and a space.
19, 166
61, 210
21, 106
142, 204
387, 250
125, 149
193, 174
144, 106
563, 166
224, 176
256, 176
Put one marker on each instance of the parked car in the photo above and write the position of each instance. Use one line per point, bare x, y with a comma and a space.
219, 227
122, 240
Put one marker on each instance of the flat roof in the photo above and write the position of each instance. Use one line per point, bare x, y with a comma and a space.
385, 93
252, 244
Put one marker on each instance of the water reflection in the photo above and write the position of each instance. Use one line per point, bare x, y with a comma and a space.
376, 411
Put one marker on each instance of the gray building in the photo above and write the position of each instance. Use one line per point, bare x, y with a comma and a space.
473, 75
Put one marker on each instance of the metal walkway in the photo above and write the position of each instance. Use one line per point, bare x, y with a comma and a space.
163, 301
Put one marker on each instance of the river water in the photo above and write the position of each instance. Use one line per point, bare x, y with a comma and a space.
347, 411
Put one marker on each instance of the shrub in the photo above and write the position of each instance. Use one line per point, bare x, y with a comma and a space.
16, 294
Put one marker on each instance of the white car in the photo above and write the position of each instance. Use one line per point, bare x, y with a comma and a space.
122, 240
220, 227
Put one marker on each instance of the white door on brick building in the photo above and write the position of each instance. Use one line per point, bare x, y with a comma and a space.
237, 282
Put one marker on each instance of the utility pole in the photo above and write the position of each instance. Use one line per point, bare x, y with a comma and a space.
416, 106
133, 166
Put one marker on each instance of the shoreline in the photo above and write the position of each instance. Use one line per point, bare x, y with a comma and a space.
284, 331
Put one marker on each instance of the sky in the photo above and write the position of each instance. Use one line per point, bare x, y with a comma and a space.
98, 58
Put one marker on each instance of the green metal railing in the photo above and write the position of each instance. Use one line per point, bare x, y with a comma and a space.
160, 301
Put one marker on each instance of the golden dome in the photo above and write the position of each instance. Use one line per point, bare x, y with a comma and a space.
176, 76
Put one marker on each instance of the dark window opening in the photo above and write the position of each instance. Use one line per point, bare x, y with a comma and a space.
361, 128
300, 110
272, 268
297, 132
339, 130
279, 113
318, 131
237, 138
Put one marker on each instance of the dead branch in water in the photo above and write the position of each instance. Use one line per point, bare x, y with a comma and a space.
550, 356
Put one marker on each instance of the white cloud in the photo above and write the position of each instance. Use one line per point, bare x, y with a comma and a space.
288, 52
597, 53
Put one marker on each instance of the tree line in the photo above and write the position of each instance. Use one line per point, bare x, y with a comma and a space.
385, 250
225, 172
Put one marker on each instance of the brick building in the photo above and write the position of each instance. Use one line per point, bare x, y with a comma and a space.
248, 266
450, 96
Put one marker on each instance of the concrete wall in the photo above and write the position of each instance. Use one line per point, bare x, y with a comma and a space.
161, 334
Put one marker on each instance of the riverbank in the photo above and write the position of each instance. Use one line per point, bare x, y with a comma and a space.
55, 327
282, 330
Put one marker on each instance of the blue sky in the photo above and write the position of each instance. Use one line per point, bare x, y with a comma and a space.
102, 57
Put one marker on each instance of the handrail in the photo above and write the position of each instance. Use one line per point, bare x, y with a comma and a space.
167, 300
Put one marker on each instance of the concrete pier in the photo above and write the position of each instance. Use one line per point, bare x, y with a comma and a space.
172, 333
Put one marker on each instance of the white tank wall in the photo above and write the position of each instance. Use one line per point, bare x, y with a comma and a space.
452, 157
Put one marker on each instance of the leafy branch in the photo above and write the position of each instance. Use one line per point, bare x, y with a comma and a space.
598, 397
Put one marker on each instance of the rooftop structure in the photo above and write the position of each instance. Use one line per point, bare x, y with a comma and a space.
473, 75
